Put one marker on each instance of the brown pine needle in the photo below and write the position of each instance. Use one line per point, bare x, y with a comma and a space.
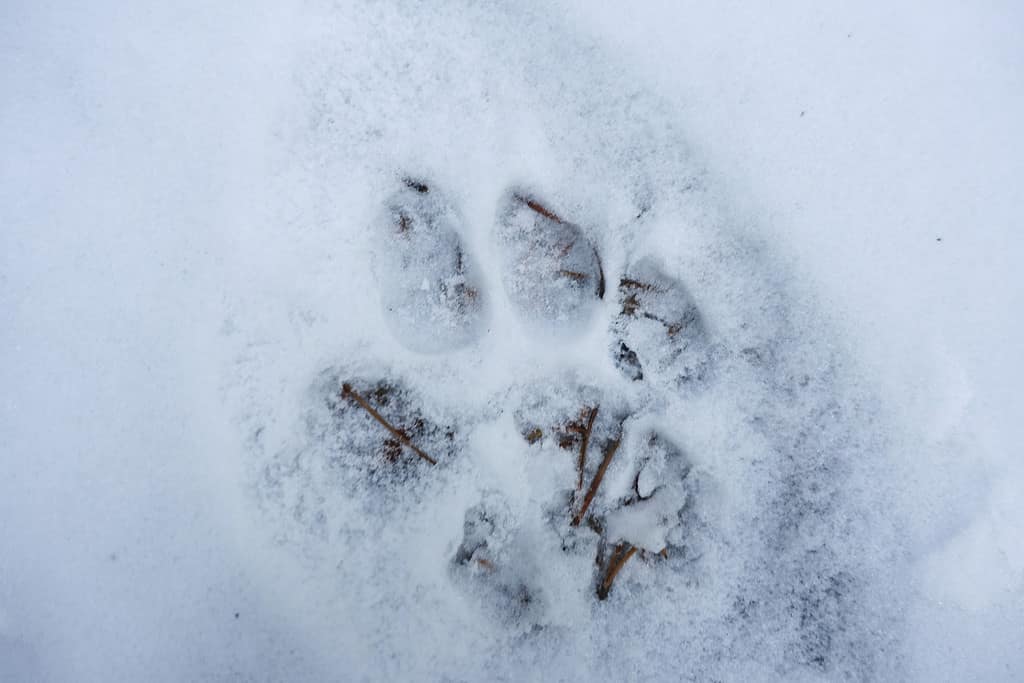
537, 207
583, 449
608, 455
348, 392
574, 275
618, 559
630, 283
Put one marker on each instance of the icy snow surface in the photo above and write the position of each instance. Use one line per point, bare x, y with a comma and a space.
445, 341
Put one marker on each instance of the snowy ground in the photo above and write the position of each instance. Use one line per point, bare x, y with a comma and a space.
764, 259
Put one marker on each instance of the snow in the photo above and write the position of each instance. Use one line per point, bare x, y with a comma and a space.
551, 271
430, 294
203, 282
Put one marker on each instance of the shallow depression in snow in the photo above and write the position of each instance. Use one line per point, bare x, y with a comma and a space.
575, 416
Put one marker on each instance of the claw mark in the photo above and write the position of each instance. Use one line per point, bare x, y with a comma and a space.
619, 557
348, 392
608, 455
636, 485
416, 185
628, 362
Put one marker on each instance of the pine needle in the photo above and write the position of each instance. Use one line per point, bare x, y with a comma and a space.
630, 283
537, 207
573, 275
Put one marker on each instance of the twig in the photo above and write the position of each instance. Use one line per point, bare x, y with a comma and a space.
574, 275
583, 449
348, 392
608, 455
537, 207
630, 283
672, 328
618, 559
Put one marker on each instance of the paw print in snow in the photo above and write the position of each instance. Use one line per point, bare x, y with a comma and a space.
629, 486
550, 270
429, 289
551, 376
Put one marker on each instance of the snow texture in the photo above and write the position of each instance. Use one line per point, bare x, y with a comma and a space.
550, 269
451, 341
427, 287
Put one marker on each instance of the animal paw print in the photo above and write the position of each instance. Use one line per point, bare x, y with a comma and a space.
430, 291
624, 486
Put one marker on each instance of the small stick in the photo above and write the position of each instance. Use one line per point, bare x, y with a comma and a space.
348, 392
618, 559
672, 328
608, 455
537, 207
573, 275
583, 449
630, 283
